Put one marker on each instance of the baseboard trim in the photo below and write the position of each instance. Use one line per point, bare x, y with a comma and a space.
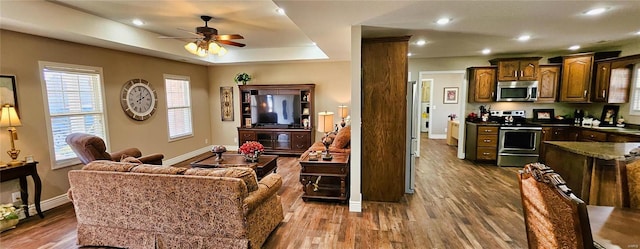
45, 205
180, 158
437, 136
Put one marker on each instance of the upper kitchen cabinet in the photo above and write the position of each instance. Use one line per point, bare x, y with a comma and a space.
576, 77
612, 79
517, 69
548, 83
482, 84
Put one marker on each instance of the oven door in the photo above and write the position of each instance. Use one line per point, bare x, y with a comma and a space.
519, 140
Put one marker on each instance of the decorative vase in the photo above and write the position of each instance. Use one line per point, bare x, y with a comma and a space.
8, 224
252, 157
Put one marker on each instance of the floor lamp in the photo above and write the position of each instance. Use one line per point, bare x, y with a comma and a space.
325, 125
9, 118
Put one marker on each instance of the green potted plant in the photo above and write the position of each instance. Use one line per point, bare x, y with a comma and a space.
8, 217
242, 77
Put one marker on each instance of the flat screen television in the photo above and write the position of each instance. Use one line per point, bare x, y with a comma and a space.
275, 110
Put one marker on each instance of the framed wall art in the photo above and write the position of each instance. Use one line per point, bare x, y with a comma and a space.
450, 95
8, 93
609, 115
226, 103
543, 114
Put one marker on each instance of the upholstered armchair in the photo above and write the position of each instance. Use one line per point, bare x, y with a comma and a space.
90, 148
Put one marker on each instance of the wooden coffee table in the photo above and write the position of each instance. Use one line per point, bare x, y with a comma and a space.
265, 165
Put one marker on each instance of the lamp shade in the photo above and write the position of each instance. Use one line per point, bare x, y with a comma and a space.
325, 121
343, 112
9, 117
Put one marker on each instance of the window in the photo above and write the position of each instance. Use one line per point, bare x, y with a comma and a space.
635, 91
74, 98
178, 107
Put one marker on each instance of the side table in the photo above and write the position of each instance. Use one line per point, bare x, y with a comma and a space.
325, 179
21, 172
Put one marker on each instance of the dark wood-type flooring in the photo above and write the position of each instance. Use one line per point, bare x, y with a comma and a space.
457, 204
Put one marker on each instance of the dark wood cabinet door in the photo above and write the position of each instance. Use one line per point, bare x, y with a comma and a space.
620, 82
300, 141
508, 70
601, 84
482, 86
384, 88
528, 70
548, 84
576, 78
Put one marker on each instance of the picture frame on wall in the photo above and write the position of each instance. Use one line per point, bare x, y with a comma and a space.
450, 95
8, 93
226, 103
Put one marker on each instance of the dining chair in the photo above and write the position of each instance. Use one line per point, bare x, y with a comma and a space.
629, 175
554, 216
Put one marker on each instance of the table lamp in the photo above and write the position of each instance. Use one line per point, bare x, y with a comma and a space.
325, 125
9, 118
344, 113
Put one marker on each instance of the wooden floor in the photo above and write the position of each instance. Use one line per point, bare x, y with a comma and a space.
456, 204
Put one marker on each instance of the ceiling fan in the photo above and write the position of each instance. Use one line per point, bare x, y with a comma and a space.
208, 40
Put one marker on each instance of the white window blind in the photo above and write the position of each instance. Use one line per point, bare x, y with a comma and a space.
75, 104
635, 91
178, 106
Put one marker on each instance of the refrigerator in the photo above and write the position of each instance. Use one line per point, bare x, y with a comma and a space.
413, 128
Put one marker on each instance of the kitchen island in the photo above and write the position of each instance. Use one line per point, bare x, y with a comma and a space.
591, 169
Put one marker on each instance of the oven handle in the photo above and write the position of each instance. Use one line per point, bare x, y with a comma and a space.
521, 128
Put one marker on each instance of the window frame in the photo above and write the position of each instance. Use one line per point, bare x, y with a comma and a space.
190, 106
635, 90
78, 68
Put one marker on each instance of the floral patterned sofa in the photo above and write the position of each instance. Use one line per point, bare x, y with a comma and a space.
131, 205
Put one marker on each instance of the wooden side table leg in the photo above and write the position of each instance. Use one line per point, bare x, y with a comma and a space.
24, 195
38, 187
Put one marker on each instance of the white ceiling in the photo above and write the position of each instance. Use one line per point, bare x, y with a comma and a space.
553, 26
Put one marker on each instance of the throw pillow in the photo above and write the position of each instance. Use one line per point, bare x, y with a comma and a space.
343, 138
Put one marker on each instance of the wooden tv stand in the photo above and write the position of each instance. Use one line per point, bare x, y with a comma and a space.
292, 140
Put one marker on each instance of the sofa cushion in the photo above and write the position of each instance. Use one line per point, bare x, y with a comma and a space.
246, 174
152, 169
343, 138
106, 165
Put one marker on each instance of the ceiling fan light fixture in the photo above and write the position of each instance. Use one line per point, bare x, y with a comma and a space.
191, 47
214, 48
222, 51
201, 52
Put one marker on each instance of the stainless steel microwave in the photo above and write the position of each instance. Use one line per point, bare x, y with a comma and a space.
517, 91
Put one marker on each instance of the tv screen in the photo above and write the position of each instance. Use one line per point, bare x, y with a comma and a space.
275, 109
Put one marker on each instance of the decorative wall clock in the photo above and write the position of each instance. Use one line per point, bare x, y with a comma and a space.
138, 99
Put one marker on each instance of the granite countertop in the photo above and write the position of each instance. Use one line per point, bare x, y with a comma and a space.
601, 150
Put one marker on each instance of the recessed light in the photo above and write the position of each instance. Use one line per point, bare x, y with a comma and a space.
594, 12
574, 47
638, 33
486, 51
524, 38
421, 42
409, 54
280, 11
137, 22
314, 44
443, 21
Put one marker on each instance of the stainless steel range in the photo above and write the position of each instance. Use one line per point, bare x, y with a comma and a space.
518, 142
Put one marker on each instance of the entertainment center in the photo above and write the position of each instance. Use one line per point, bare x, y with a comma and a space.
280, 117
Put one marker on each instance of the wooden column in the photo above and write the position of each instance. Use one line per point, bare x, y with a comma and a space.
384, 90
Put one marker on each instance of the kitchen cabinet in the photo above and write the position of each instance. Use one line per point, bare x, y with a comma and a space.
618, 138
517, 69
592, 136
482, 84
548, 82
613, 79
576, 78
278, 141
556, 134
481, 142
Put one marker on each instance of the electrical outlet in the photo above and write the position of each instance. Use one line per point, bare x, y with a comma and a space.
15, 196
235, 140
206, 141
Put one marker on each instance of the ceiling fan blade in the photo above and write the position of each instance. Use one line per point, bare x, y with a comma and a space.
232, 43
229, 37
177, 37
191, 32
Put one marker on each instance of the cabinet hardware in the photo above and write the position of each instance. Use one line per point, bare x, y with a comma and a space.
492, 93
585, 94
515, 74
604, 93
522, 73
485, 153
487, 140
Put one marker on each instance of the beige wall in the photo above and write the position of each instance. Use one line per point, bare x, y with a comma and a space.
20, 54
332, 79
